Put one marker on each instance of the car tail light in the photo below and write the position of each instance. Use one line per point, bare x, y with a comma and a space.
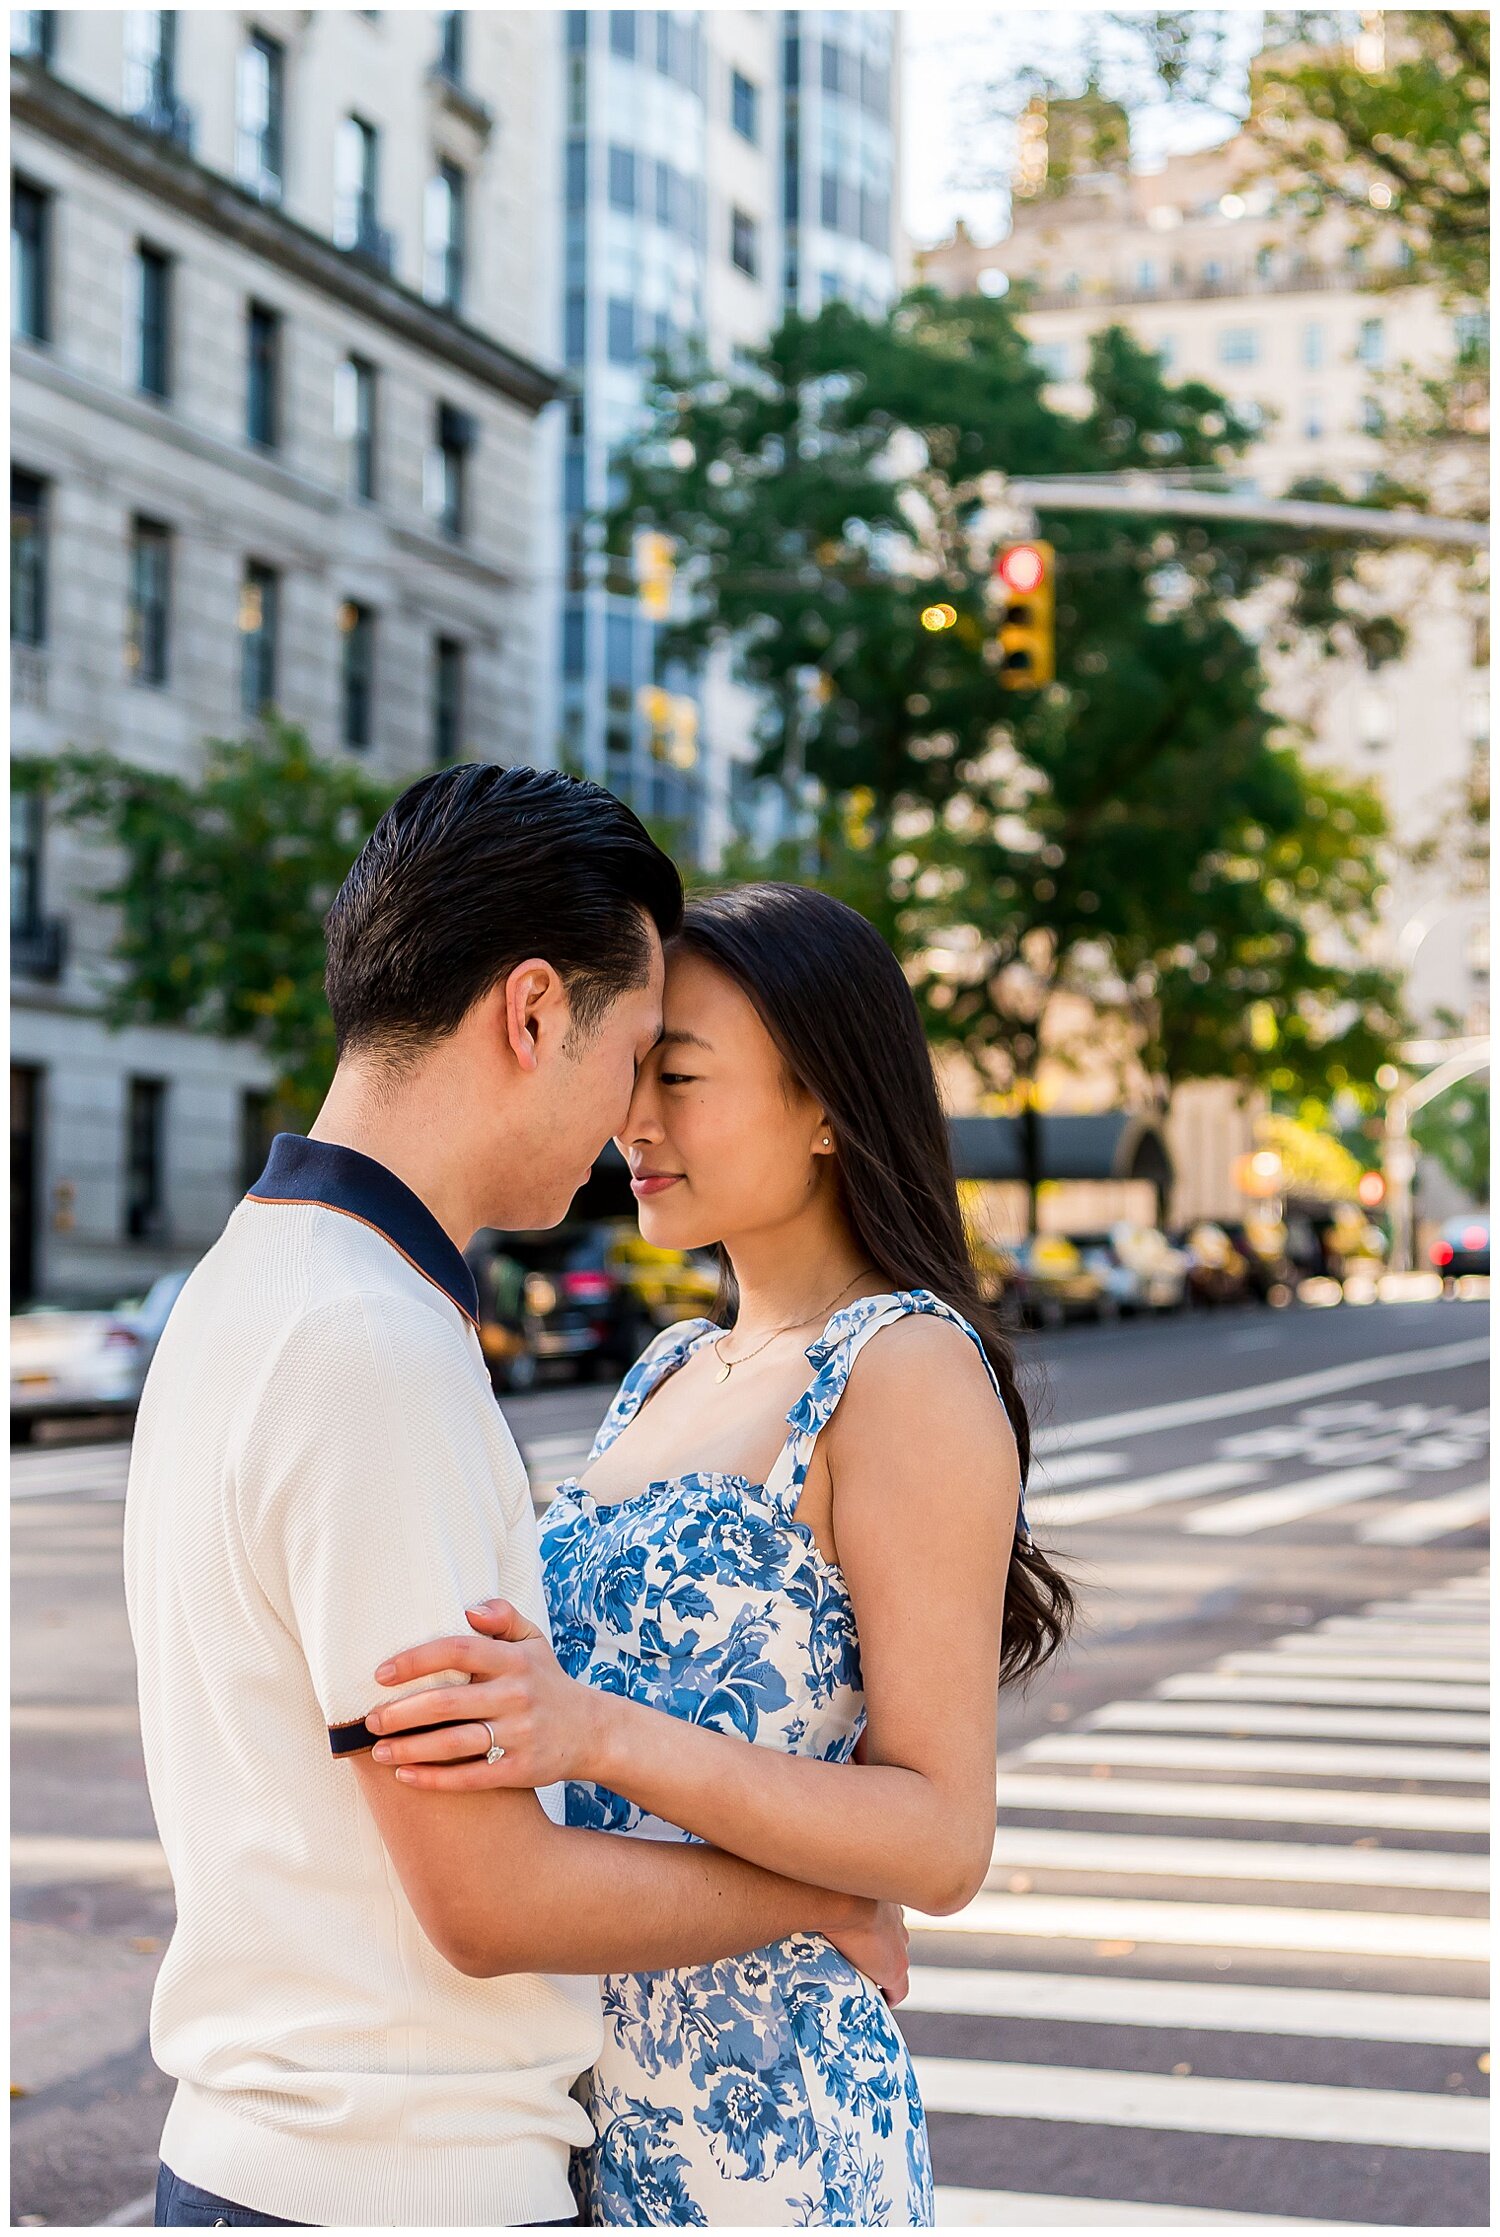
1442, 1254
121, 1340
1476, 1238
586, 1288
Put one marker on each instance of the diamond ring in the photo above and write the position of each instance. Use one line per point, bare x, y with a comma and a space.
496, 1751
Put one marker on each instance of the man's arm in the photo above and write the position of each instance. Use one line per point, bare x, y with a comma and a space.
498, 1888
371, 1506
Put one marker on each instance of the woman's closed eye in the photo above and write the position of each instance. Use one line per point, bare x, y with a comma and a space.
677, 1079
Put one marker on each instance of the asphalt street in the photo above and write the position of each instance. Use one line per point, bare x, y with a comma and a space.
1229, 1964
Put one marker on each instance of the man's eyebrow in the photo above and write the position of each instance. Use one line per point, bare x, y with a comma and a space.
684, 1040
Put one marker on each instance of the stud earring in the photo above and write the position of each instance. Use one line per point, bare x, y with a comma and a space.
827, 1142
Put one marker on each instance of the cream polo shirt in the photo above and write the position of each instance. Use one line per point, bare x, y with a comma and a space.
321, 1476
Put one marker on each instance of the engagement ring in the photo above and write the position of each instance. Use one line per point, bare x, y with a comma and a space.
496, 1751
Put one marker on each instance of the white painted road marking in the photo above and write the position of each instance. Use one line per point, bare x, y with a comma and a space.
1235, 1926
1237, 1683
1265, 1510
1167, 1751
1058, 1510
1170, 1856
1426, 1519
1146, 1798
1286, 1717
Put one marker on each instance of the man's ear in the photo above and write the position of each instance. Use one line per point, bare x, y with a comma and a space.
532, 996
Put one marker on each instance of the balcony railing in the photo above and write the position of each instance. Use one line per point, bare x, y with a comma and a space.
39, 950
28, 675
372, 244
169, 118
1316, 279
461, 98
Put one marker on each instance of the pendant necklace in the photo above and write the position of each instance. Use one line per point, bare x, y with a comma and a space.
727, 1366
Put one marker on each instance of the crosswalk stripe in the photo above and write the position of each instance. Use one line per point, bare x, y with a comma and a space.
1255, 1398
1239, 1684
957, 2208
39, 1859
1228, 2007
1475, 1632
1264, 1510
1204, 2105
1353, 1664
1146, 1798
1169, 1750
1402, 1654
1288, 1717
1429, 1518
1447, 1612
1168, 1856
1079, 1468
1061, 1509
1238, 1926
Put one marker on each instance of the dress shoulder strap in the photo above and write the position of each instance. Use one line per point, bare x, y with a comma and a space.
832, 1358
662, 1357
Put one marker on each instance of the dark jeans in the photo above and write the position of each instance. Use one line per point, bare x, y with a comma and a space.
181, 2205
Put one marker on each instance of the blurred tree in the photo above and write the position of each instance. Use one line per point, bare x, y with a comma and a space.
222, 884
1138, 832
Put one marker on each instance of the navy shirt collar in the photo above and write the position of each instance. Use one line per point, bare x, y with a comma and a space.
300, 1171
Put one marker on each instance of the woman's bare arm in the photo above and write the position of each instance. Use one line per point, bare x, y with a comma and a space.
925, 1490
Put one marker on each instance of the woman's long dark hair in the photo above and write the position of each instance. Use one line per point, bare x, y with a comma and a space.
835, 1001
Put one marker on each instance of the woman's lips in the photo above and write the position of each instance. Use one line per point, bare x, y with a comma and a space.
652, 1184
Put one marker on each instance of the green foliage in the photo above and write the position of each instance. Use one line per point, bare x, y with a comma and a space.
1138, 832
222, 884
1455, 1129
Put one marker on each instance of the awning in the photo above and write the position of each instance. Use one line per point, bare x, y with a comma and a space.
1070, 1146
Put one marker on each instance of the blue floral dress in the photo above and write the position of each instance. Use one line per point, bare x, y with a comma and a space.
771, 2089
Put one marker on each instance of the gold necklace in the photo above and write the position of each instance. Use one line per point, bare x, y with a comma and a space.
727, 1366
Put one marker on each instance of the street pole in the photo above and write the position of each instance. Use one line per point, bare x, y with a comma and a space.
1400, 1158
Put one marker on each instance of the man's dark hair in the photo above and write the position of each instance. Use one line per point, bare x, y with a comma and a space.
470, 872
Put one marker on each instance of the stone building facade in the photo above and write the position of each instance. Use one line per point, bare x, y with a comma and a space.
279, 348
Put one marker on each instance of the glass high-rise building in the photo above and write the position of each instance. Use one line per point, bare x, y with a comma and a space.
717, 168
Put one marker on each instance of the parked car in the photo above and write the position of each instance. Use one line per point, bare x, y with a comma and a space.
1271, 1272
1463, 1247
1140, 1270
71, 1361
1217, 1273
588, 1298
1052, 1281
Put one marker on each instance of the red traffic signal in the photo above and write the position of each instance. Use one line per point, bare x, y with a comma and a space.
1022, 568
1024, 578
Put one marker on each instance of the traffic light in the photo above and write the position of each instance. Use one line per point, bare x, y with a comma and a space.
655, 565
1025, 576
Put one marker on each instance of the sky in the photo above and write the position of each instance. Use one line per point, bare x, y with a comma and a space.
952, 54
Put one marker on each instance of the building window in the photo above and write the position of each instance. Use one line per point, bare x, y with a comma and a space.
1370, 347
619, 339
447, 469
151, 72
575, 326
1146, 276
744, 107
145, 1129
25, 862
744, 246
443, 215
1371, 416
1313, 424
622, 39
33, 33
622, 179
153, 321
576, 174
1312, 345
1054, 359
1239, 345
260, 102
354, 424
28, 558
1166, 351
450, 59
30, 261
262, 377
260, 616
356, 190
1471, 336
1265, 263
148, 611
447, 700
257, 1125
356, 673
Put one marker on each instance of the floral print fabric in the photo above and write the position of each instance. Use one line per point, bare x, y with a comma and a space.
772, 2088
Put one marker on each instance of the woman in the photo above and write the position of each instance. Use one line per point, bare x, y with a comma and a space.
799, 1527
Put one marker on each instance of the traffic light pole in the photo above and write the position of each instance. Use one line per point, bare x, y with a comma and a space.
1400, 1158
1137, 493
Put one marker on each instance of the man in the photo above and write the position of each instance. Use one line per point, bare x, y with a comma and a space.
376, 2001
